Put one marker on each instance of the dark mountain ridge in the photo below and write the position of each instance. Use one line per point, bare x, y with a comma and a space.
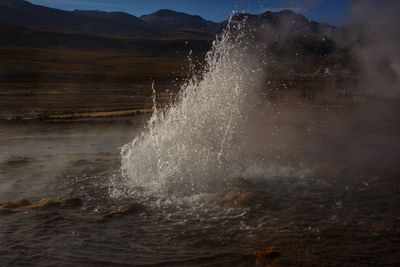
177, 23
285, 36
116, 16
24, 14
161, 24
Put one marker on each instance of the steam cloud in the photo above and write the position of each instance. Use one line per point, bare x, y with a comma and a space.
379, 52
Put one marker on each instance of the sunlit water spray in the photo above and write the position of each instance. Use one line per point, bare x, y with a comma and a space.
197, 145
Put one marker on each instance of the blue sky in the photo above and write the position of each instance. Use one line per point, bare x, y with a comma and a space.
330, 11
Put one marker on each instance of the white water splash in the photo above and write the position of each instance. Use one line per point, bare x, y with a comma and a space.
197, 145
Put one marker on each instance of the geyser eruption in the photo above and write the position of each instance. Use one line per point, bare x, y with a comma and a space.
197, 145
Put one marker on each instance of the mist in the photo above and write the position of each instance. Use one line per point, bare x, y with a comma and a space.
306, 126
379, 51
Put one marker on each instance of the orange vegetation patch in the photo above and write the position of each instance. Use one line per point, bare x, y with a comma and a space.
265, 255
45, 203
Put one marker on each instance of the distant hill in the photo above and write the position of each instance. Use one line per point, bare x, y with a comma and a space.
294, 40
300, 45
284, 19
24, 14
161, 24
175, 23
286, 34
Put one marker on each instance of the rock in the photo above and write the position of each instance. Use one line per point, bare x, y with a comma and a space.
14, 161
238, 197
265, 255
122, 210
45, 203
14, 205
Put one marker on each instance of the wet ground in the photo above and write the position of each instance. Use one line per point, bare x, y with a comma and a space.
311, 202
